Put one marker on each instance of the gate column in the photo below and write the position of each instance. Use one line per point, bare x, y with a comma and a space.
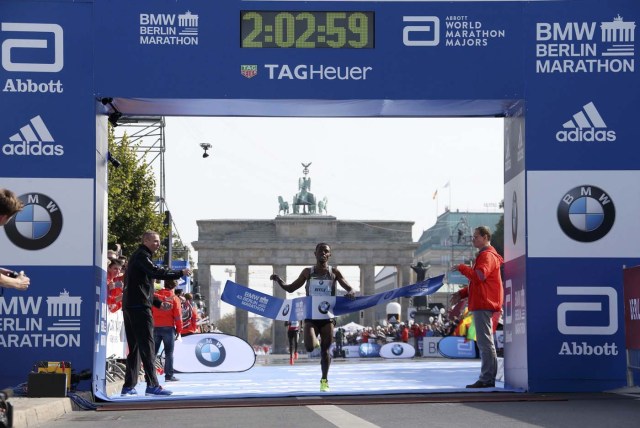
278, 330
367, 288
404, 278
242, 316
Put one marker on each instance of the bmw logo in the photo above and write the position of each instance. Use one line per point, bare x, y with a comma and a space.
210, 352
38, 225
397, 349
514, 218
586, 213
285, 311
324, 307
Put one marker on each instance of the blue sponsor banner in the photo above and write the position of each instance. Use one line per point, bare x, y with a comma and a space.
431, 45
590, 52
369, 350
514, 318
54, 320
583, 324
46, 78
315, 307
457, 347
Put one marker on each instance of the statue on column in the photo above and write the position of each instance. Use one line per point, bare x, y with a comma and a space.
304, 197
421, 270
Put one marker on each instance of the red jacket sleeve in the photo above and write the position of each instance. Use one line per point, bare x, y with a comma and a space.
177, 313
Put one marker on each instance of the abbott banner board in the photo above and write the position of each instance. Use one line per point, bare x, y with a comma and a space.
562, 74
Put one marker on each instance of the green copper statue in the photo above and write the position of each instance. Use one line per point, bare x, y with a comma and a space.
304, 197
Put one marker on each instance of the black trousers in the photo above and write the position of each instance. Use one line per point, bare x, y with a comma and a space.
138, 325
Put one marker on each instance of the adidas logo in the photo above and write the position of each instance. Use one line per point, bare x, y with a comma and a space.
33, 139
586, 125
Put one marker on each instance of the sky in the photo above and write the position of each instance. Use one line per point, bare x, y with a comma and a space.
367, 168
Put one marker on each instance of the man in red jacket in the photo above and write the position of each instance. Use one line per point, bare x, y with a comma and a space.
167, 322
486, 296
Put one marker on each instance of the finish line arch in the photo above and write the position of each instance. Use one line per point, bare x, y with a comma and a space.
568, 67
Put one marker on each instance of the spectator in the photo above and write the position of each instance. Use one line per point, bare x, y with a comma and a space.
293, 329
486, 297
138, 298
404, 333
167, 322
189, 316
9, 206
114, 292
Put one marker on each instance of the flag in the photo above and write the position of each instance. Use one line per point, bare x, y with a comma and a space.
435, 194
446, 185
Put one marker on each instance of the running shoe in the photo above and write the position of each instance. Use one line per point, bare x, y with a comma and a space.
157, 391
128, 391
324, 385
295, 356
291, 360
171, 379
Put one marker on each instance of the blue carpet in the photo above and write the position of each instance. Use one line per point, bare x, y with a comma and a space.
346, 377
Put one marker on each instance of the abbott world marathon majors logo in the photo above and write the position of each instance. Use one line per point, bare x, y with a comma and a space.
587, 125
210, 352
586, 47
457, 31
586, 213
169, 29
33, 139
24, 324
38, 225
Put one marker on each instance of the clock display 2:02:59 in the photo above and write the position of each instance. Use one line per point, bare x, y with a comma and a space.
287, 29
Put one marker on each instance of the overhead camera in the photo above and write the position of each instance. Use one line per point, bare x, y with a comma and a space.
205, 147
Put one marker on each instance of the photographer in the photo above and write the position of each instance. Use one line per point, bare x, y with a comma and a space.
9, 206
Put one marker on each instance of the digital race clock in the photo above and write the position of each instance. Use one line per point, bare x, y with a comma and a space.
299, 29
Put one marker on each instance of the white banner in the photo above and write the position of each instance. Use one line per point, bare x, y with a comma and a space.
215, 353
583, 214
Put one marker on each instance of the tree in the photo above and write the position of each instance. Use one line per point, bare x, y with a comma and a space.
131, 190
227, 324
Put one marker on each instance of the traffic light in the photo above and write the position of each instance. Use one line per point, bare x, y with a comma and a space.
167, 218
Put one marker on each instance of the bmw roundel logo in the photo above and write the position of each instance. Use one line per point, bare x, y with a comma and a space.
586, 213
285, 311
514, 218
210, 352
397, 349
324, 307
38, 225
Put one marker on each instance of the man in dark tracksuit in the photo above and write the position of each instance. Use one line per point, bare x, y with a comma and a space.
137, 300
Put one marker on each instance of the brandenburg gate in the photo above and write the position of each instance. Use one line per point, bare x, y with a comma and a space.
289, 240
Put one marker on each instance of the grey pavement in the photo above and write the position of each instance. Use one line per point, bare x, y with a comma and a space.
475, 409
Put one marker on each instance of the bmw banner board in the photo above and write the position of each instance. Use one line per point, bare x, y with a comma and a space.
562, 73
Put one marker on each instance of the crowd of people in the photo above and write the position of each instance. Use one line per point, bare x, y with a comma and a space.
401, 332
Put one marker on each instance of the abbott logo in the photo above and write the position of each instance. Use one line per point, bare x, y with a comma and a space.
586, 125
567, 307
427, 33
9, 45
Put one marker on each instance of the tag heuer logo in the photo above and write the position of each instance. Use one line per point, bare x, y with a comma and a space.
249, 71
